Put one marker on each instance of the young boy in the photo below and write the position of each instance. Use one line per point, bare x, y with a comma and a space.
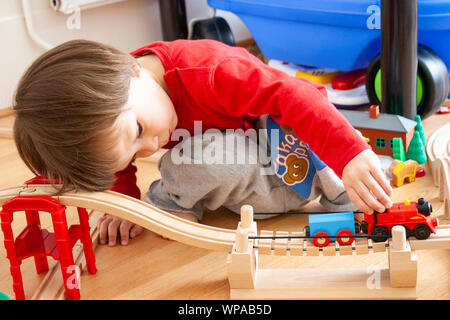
85, 111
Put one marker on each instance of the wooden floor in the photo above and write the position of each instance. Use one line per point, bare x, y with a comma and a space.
153, 268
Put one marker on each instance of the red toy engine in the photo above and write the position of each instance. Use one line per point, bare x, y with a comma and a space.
414, 216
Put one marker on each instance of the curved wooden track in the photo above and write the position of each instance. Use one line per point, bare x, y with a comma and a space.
136, 211
438, 150
438, 147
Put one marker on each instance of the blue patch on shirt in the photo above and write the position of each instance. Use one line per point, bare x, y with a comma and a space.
294, 162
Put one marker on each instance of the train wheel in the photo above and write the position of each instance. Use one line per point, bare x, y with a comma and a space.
357, 227
347, 237
306, 231
365, 227
379, 234
321, 242
422, 232
432, 81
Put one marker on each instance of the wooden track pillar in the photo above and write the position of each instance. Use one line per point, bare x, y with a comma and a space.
402, 260
242, 261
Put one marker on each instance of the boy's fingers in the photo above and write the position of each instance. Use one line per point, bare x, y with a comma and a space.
112, 231
135, 231
368, 197
124, 229
381, 178
103, 230
378, 192
357, 201
101, 220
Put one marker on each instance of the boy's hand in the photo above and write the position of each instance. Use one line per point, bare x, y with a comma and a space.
366, 185
110, 226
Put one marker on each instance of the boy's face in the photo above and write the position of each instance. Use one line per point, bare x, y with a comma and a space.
147, 126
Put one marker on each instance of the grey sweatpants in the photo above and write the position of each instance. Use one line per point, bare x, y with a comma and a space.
189, 187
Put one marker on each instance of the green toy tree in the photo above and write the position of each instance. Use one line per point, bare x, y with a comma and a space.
398, 149
419, 128
416, 150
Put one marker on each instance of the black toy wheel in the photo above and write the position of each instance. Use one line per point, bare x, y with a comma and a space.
357, 227
422, 232
306, 231
364, 227
432, 81
379, 234
215, 28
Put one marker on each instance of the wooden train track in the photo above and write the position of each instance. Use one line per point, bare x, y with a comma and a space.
438, 150
138, 212
438, 145
304, 247
196, 234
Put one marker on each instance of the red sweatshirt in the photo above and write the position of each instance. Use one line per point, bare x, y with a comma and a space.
228, 88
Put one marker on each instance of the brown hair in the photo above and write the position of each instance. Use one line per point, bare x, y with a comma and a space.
66, 104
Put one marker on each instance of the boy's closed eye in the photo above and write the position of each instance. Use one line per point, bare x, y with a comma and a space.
138, 135
139, 130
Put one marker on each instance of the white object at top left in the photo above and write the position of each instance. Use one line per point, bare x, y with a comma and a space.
68, 6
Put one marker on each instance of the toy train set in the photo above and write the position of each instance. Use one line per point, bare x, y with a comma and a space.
341, 227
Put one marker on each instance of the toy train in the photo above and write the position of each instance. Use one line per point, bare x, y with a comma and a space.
341, 227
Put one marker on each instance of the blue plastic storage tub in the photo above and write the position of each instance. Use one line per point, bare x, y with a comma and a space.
338, 34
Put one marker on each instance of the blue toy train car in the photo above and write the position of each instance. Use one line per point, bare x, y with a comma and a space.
322, 227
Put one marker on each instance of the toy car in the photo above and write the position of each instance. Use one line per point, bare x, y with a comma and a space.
324, 228
414, 216
341, 226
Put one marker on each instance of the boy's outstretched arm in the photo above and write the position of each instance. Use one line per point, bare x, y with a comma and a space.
366, 185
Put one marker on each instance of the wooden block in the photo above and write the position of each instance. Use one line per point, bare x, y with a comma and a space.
296, 244
403, 268
242, 268
329, 250
266, 233
362, 246
242, 242
379, 246
345, 250
264, 248
311, 250
265, 245
280, 245
322, 284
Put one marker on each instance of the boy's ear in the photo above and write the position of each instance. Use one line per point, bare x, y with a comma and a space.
137, 70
